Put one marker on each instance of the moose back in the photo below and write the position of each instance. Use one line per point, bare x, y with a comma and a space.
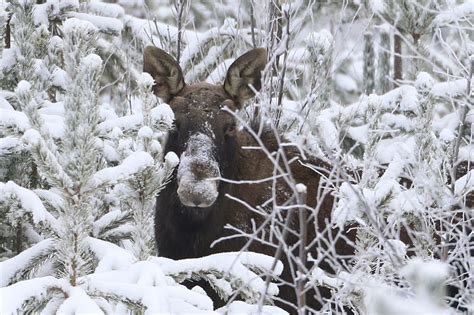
194, 207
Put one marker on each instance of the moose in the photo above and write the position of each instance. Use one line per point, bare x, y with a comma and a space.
195, 206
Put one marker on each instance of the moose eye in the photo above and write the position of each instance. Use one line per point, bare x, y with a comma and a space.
229, 130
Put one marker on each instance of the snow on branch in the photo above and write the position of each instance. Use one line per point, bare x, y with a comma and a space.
47, 162
226, 272
14, 266
136, 162
105, 24
35, 290
111, 256
29, 202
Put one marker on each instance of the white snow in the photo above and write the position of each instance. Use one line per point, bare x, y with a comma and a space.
4, 104
52, 197
359, 133
111, 256
455, 13
449, 89
301, 188
345, 82
425, 275
378, 6
10, 267
424, 81
16, 294
31, 136
60, 79
78, 302
232, 262
107, 9
29, 202
405, 98
23, 87
9, 144
163, 116
92, 61
76, 25
145, 132
171, 159
217, 76
130, 122
465, 183
133, 164
145, 80
103, 23
321, 41
239, 307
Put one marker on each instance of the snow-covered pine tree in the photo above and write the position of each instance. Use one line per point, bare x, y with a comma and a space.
99, 167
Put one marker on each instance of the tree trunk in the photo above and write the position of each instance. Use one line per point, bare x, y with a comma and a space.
397, 66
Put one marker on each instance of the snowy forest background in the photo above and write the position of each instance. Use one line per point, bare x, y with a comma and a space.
378, 87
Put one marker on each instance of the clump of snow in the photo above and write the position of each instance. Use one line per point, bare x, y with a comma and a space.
239, 307
231, 263
171, 159
345, 82
403, 147
29, 202
145, 132
449, 89
107, 9
348, 207
381, 299
396, 247
455, 13
9, 144
14, 119
78, 302
301, 188
23, 87
35, 289
145, 80
359, 133
31, 136
425, 276
424, 81
103, 23
134, 163
447, 126
378, 6
92, 62
155, 146
130, 122
73, 25
4, 104
405, 98
465, 183
60, 78
320, 41
111, 256
12, 266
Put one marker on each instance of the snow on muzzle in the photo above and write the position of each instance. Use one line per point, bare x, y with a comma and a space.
197, 173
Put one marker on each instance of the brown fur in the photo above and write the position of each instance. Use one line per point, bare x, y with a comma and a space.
187, 232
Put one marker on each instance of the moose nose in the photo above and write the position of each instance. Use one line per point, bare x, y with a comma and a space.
195, 201
201, 203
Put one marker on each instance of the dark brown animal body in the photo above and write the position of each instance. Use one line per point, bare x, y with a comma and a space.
194, 208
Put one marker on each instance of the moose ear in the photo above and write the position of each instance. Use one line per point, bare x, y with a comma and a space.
245, 71
165, 71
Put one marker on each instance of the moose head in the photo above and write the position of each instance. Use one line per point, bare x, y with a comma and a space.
204, 133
